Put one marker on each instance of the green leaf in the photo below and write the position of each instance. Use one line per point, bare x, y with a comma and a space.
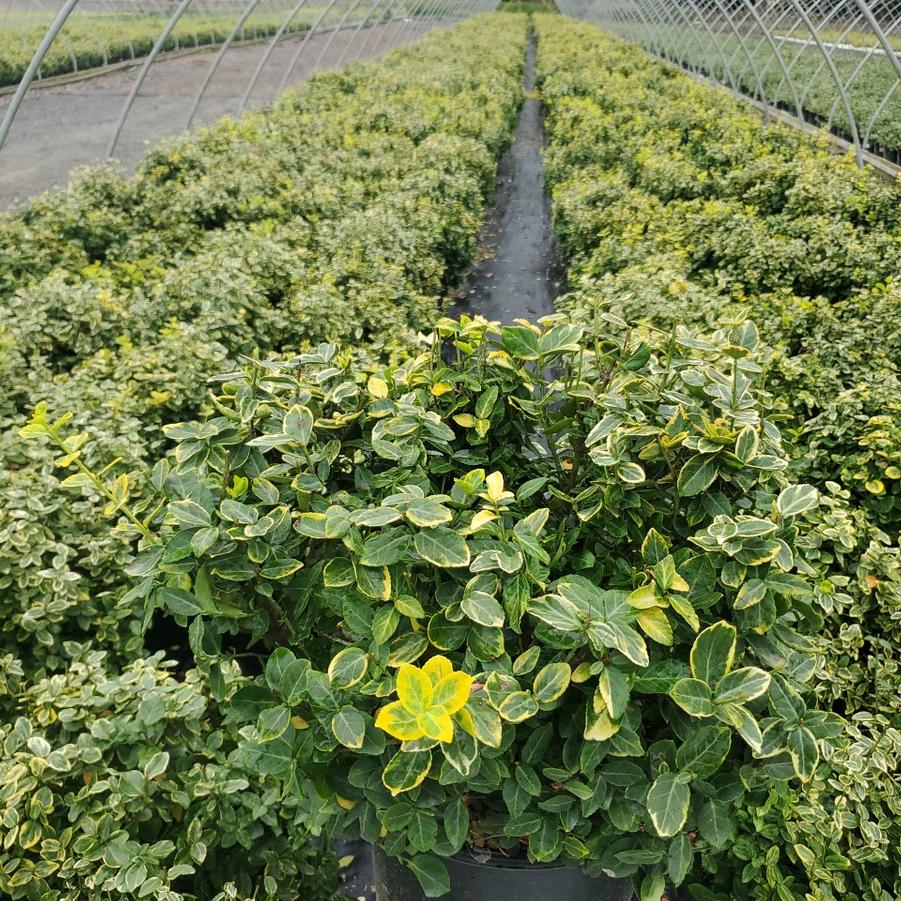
693, 696
338, 573
704, 751
563, 338
349, 727
179, 601
189, 514
456, 823
631, 473
742, 685
750, 594
527, 660
432, 875
520, 342
427, 513
406, 770
292, 684
697, 475
713, 652
715, 824
743, 720
654, 547
347, 668
551, 682
804, 753
517, 707
273, 722
443, 547
613, 684
679, 859
482, 608
667, 804
298, 424
797, 499
557, 612
385, 549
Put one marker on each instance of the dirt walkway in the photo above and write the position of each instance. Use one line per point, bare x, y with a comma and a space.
69, 125
515, 275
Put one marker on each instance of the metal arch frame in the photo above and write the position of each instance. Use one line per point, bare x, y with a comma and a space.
180, 10
270, 49
220, 55
35, 64
846, 103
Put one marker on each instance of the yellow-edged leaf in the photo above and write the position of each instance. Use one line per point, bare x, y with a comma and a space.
482, 518
495, 483
452, 692
398, 722
437, 724
377, 387
655, 624
437, 667
414, 688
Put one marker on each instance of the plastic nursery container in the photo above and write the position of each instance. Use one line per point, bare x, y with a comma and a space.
500, 879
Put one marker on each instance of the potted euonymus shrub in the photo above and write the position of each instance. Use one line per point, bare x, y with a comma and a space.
534, 601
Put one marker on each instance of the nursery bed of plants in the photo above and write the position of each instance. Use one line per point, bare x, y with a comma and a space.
618, 590
342, 212
868, 80
89, 41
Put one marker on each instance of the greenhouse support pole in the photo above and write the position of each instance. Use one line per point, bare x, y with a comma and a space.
843, 94
35, 64
331, 38
160, 41
377, 5
373, 28
300, 50
383, 38
769, 38
881, 36
270, 48
219, 57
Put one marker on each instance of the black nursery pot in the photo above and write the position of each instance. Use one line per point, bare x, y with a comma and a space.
499, 879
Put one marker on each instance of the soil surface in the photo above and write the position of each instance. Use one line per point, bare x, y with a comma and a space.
516, 274
72, 124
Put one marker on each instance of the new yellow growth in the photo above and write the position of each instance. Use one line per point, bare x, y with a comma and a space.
427, 699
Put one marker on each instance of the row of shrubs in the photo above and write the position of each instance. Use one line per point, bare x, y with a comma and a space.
89, 41
342, 212
677, 207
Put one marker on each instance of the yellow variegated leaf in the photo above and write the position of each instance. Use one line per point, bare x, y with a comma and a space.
398, 722
452, 692
406, 770
437, 724
655, 624
644, 597
482, 518
495, 483
437, 667
440, 388
679, 584
600, 729
467, 724
414, 688
343, 802
299, 723
377, 387
467, 420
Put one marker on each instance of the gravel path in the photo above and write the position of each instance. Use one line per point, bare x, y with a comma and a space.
71, 124
515, 274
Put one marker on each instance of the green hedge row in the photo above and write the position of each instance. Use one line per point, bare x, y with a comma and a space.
676, 207
342, 212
